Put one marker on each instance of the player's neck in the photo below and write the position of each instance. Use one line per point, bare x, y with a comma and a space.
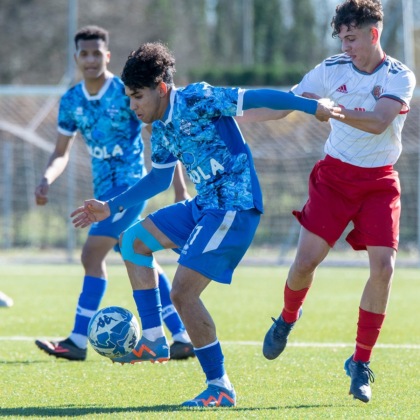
93, 86
165, 106
377, 58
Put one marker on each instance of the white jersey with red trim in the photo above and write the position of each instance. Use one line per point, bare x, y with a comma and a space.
337, 79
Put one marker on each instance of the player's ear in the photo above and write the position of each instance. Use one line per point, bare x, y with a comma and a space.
108, 56
163, 89
375, 35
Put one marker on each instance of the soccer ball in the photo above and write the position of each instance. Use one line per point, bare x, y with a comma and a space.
113, 332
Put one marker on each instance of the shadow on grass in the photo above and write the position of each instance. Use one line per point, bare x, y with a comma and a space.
50, 360
23, 362
72, 411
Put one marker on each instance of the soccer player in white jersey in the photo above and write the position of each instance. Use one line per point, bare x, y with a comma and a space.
211, 232
98, 108
355, 182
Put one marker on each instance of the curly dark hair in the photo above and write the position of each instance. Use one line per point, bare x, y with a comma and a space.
356, 13
91, 32
149, 65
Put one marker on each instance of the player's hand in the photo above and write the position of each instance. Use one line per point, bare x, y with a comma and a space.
324, 113
326, 108
92, 211
41, 192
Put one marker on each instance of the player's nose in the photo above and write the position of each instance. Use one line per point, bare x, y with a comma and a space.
133, 104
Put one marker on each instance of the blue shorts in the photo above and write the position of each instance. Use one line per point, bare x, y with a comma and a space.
211, 242
113, 226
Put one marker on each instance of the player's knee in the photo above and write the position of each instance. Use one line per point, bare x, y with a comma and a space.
383, 270
84, 258
87, 259
304, 265
129, 253
140, 248
137, 246
176, 298
182, 295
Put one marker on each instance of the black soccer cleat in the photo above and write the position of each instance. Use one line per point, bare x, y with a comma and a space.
181, 351
64, 349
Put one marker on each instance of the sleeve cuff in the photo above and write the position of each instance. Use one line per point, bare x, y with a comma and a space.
114, 207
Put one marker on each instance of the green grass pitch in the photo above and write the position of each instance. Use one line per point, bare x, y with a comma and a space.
306, 382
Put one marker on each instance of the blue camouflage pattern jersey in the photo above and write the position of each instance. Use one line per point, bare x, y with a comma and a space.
199, 130
111, 131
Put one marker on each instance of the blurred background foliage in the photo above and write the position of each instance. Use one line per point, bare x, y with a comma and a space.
225, 42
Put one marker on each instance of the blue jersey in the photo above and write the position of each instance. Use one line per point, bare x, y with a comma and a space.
199, 130
111, 132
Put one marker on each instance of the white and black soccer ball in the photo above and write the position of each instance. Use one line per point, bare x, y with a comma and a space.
113, 332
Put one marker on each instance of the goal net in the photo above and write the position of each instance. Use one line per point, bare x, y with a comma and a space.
284, 153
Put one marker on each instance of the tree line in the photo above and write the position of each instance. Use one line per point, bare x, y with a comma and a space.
242, 42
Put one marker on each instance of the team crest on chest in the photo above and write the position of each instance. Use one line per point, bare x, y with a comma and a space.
188, 159
377, 91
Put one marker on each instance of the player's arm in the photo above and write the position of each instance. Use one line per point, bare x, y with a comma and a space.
180, 187
278, 100
261, 115
55, 167
376, 121
156, 181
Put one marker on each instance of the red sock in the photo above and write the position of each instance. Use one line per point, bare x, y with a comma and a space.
368, 329
293, 300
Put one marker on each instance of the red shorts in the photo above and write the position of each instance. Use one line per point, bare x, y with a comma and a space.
340, 193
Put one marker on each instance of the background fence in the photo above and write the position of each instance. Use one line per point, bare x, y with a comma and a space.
284, 153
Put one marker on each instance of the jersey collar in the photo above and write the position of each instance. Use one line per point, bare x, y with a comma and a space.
101, 92
167, 118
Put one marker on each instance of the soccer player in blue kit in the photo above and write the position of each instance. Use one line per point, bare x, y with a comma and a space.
100, 110
212, 231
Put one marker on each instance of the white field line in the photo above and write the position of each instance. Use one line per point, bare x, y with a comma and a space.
326, 345
251, 343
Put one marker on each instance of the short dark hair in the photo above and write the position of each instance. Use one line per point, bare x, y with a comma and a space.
91, 32
357, 13
151, 64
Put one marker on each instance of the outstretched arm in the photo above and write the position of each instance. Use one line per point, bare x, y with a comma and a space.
278, 100
261, 114
156, 181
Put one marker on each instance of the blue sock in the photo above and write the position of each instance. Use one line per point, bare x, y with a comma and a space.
211, 360
149, 307
89, 300
169, 314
